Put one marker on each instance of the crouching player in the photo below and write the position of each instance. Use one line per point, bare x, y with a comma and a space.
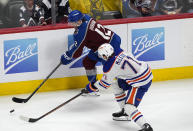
133, 78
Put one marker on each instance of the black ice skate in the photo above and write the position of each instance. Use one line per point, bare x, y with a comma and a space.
121, 116
146, 127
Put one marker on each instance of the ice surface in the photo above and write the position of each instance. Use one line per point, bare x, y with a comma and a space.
168, 106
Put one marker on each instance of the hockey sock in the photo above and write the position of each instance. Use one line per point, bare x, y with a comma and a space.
119, 94
120, 98
91, 74
135, 115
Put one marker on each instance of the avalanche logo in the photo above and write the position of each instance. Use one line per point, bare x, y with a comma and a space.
78, 61
148, 44
20, 56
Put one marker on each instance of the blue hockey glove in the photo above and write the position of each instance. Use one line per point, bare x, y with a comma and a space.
65, 59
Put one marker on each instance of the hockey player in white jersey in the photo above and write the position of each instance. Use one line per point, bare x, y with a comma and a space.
130, 80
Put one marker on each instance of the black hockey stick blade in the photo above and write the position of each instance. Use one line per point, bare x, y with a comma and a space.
28, 119
19, 100
36, 119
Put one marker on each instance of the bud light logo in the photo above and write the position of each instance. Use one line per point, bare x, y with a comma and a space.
148, 44
20, 56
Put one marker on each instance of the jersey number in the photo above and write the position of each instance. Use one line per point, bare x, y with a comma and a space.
101, 31
126, 62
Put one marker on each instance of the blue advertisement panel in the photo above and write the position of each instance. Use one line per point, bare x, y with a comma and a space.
20, 55
149, 44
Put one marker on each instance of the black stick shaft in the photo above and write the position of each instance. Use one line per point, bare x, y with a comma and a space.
44, 81
34, 120
25, 100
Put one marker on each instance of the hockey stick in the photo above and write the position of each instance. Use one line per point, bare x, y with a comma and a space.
36, 119
20, 100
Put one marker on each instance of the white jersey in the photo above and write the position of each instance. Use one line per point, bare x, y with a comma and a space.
124, 66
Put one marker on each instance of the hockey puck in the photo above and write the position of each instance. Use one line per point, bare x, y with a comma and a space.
11, 111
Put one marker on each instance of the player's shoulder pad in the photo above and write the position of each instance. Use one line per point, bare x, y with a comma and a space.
82, 30
83, 26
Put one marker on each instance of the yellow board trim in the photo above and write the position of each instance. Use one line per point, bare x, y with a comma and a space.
80, 81
172, 73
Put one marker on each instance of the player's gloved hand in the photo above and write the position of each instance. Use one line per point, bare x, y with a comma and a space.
65, 59
91, 88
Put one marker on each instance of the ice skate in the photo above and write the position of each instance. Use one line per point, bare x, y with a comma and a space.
146, 127
121, 116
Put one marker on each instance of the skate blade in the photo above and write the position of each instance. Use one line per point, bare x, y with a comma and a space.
90, 95
121, 119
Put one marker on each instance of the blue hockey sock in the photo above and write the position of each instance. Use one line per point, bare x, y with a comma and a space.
91, 75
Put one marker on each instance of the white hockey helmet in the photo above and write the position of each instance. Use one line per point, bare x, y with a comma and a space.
105, 51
